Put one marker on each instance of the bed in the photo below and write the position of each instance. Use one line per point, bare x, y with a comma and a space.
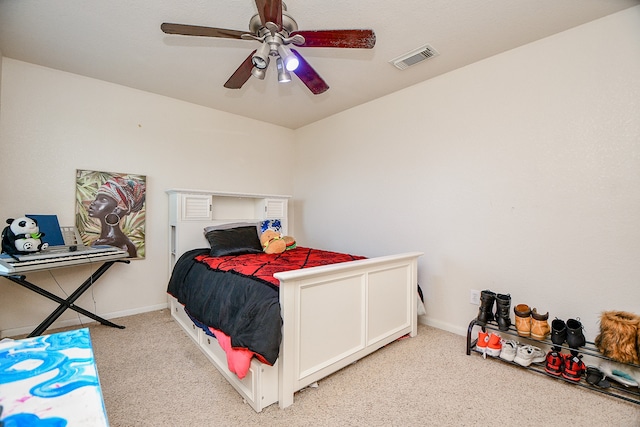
329, 315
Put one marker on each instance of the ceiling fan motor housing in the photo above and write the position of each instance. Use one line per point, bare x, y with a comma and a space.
289, 25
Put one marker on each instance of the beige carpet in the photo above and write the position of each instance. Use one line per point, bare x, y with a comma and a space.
152, 374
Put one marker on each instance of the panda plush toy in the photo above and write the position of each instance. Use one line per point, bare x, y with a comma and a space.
22, 236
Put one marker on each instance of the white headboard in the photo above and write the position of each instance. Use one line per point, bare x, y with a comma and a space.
190, 211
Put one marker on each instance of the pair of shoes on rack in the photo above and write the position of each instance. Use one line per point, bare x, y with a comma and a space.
501, 315
489, 344
568, 366
528, 354
531, 323
571, 332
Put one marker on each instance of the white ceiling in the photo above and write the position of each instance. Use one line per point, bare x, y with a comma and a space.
120, 41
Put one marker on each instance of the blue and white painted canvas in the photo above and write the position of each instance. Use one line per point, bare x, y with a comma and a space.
50, 381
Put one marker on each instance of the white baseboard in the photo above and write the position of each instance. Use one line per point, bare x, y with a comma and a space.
425, 320
81, 320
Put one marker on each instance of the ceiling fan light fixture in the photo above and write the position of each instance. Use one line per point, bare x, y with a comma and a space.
283, 75
290, 60
260, 59
258, 73
291, 63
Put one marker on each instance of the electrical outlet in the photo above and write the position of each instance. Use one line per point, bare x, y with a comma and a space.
474, 297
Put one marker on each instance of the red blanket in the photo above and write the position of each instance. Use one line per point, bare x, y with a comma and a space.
264, 266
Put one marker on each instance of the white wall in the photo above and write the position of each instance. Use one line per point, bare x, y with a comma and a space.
1, 58
53, 123
519, 174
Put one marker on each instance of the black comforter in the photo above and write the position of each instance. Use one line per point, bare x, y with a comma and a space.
245, 309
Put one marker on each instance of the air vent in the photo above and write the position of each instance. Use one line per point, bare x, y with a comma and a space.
415, 56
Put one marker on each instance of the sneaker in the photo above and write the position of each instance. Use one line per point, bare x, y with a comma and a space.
574, 368
528, 354
481, 344
554, 363
494, 345
509, 349
539, 356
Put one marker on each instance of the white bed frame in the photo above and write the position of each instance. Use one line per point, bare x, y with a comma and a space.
332, 316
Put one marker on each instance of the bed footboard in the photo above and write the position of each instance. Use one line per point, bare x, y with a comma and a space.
336, 314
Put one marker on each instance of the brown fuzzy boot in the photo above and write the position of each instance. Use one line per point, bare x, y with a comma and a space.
618, 338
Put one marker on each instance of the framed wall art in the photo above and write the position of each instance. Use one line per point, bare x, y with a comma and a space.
111, 210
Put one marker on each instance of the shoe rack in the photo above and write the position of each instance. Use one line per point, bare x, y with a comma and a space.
629, 394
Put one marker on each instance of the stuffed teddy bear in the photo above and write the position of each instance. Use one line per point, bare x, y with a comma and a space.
22, 236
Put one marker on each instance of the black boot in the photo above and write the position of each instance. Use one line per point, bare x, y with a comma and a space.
558, 333
575, 337
503, 305
485, 312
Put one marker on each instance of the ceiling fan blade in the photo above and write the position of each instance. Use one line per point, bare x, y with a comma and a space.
270, 11
241, 75
309, 76
359, 39
194, 30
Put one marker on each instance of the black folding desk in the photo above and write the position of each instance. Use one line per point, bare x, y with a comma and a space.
105, 260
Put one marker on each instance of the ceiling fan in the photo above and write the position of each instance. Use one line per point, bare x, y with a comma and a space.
276, 30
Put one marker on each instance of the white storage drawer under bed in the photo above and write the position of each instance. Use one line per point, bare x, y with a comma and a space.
259, 387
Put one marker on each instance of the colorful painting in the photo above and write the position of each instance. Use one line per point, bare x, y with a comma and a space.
111, 210
50, 381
